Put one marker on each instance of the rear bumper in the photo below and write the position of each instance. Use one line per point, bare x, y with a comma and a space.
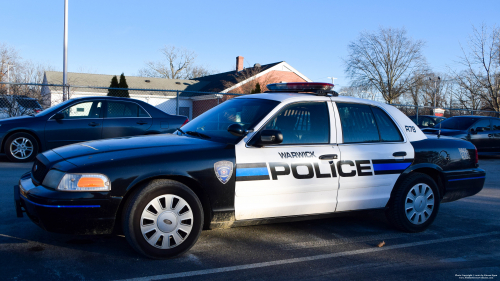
83, 215
463, 183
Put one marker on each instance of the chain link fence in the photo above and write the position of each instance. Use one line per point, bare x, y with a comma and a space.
17, 99
40, 96
412, 110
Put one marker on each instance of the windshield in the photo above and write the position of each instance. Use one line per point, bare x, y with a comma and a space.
54, 108
213, 123
456, 123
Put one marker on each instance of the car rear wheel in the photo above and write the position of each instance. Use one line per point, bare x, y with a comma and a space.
415, 203
163, 220
21, 147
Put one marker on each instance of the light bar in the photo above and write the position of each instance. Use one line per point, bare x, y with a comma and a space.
300, 86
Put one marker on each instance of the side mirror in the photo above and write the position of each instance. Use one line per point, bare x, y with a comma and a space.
58, 116
267, 137
472, 131
236, 130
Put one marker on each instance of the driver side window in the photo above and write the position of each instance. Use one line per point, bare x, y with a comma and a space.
90, 109
303, 123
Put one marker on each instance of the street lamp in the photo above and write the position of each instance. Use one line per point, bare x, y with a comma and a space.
65, 52
435, 89
333, 79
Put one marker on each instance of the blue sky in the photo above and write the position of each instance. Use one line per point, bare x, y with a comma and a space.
111, 37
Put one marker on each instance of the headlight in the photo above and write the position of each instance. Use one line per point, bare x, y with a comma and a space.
84, 182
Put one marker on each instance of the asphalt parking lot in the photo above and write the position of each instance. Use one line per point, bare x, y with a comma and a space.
463, 243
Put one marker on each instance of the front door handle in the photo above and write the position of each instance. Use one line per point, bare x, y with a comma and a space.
399, 153
93, 124
328, 157
142, 122
490, 135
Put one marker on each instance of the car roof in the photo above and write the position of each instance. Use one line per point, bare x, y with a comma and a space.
307, 97
434, 116
471, 116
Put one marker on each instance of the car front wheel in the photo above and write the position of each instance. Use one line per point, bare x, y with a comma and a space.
163, 220
415, 203
21, 147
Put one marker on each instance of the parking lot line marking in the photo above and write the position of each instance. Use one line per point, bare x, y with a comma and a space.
345, 240
305, 259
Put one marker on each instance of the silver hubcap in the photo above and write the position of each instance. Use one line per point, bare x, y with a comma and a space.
419, 203
21, 148
166, 221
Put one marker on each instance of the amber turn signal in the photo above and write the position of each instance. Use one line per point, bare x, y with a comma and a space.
90, 182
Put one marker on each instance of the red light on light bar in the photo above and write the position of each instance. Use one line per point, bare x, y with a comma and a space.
300, 86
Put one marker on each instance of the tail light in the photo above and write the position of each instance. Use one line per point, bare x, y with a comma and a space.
185, 122
38, 110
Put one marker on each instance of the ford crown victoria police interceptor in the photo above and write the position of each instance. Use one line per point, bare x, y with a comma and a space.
252, 159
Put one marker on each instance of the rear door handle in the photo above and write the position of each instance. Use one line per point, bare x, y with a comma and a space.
93, 124
399, 153
328, 157
142, 122
490, 135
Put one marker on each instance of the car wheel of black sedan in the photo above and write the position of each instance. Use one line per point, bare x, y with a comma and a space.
415, 203
21, 147
162, 220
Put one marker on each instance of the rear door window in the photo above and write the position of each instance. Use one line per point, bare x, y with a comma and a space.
358, 123
482, 126
117, 109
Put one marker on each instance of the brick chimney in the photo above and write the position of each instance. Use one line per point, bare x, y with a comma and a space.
239, 63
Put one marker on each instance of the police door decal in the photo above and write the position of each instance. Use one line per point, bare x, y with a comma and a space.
223, 170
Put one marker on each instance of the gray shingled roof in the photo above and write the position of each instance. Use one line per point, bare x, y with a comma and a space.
216, 81
134, 82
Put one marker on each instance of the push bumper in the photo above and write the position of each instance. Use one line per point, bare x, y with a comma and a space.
464, 183
66, 212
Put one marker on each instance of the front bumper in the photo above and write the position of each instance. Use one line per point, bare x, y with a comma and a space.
66, 212
463, 183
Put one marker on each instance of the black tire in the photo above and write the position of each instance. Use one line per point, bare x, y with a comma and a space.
415, 216
136, 206
30, 142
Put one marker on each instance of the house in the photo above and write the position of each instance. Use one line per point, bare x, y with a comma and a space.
185, 97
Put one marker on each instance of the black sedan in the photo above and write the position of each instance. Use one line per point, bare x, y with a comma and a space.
82, 119
426, 121
482, 131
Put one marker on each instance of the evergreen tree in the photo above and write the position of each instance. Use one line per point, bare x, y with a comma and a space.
114, 84
123, 84
256, 90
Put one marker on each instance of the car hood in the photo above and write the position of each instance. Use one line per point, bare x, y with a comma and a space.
128, 143
446, 132
15, 119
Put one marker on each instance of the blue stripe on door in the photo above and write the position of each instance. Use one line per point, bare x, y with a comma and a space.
246, 172
390, 166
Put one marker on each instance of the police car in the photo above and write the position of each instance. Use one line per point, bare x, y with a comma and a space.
297, 151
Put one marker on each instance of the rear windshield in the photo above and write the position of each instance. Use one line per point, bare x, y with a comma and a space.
28, 103
457, 123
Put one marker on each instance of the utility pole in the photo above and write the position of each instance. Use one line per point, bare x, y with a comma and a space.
333, 79
8, 77
65, 52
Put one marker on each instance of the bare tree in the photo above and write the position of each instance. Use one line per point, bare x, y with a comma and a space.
177, 63
385, 61
17, 99
481, 78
